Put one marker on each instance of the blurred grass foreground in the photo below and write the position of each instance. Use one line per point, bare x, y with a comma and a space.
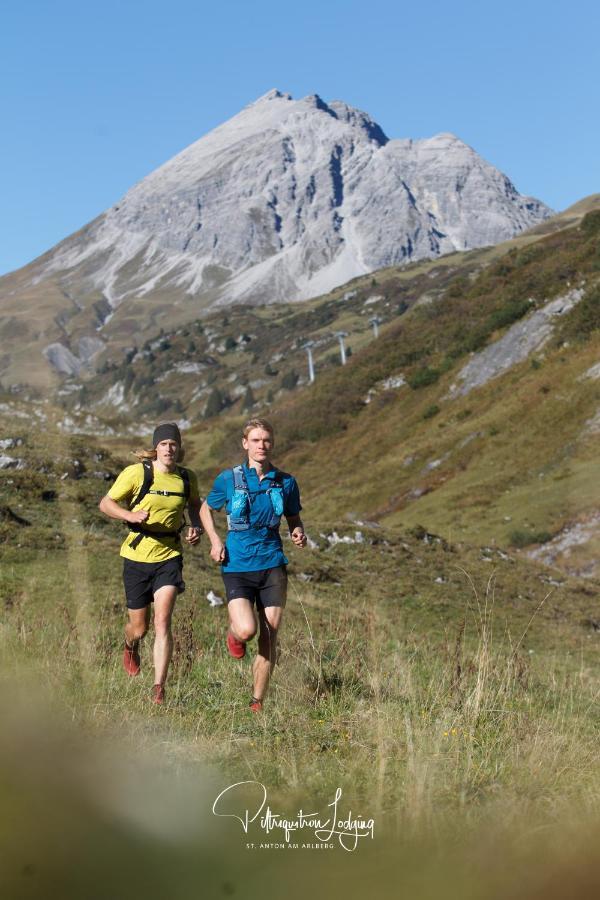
468, 733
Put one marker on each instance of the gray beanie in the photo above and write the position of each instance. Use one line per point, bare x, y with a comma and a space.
168, 431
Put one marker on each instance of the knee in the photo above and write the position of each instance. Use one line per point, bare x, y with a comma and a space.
137, 632
162, 625
245, 632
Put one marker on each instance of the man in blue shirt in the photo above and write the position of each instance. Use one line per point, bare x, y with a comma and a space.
253, 563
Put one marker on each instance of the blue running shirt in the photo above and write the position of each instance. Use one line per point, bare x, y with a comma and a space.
259, 547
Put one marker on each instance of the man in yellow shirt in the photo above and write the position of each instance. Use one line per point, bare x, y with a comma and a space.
156, 493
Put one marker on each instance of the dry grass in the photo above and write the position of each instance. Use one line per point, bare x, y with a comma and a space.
451, 745
453, 700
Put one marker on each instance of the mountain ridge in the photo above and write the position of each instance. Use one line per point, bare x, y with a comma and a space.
284, 201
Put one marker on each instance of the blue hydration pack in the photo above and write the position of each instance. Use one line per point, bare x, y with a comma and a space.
241, 504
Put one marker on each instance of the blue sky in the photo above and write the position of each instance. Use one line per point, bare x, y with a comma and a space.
94, 96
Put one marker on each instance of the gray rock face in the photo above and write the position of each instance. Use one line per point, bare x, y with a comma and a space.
88, 347
521, 339
289, 199
559, 550
61, 359
66, 362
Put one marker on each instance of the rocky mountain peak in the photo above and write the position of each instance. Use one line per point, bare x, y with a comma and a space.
284, 201
273, 94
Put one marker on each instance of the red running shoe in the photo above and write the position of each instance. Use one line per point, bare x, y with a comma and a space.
256, 705
131, 659
158, 694
236, 648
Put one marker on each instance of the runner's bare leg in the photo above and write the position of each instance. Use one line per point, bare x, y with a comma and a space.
242, 621
164, 603
264, 662
138, 624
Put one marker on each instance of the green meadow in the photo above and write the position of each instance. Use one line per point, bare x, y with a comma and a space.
448, 687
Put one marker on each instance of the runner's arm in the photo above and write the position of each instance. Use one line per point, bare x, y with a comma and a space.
111, 508
195, 530
296, 530
217, 549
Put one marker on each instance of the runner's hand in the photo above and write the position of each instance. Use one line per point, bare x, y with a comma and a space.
217, 551
137, 517
298, 537
193, 535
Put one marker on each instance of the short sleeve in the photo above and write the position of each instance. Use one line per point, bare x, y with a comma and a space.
292, 505
218, 493
126, 484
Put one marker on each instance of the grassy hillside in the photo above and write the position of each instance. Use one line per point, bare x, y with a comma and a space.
449, 688
510, 461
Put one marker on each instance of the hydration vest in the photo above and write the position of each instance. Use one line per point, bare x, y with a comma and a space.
241, 502
146, 488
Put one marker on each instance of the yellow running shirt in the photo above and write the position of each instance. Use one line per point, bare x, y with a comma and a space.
166, 513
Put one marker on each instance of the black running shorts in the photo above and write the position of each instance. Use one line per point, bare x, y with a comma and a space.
142, 579
266, 587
